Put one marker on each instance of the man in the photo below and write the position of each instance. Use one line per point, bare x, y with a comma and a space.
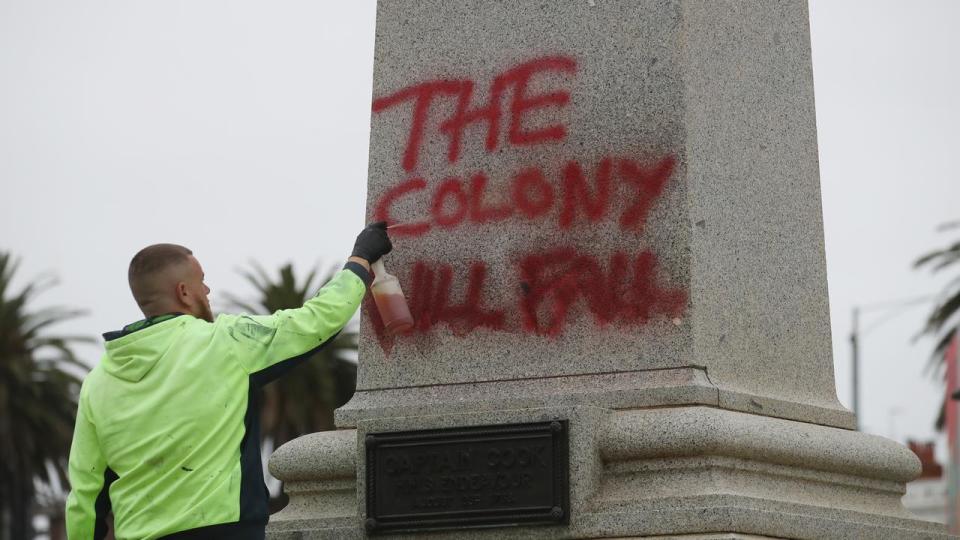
167, 434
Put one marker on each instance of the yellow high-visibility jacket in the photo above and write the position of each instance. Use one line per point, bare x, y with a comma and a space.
167, 432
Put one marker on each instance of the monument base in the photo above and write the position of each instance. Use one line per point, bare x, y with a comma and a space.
694, 472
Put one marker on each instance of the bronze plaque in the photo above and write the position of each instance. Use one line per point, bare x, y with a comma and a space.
456, 478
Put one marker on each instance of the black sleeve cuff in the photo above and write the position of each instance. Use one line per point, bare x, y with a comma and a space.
360, 271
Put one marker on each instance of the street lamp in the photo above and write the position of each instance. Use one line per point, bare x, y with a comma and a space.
893, 309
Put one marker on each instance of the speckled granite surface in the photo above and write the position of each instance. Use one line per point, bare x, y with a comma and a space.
673, 220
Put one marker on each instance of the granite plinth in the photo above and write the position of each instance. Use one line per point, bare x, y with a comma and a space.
652, 472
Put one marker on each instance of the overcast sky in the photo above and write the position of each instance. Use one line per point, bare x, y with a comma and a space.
240, 129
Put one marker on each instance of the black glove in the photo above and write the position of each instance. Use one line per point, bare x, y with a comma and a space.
372, 242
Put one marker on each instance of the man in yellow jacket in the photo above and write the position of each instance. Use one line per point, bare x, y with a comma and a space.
167, 434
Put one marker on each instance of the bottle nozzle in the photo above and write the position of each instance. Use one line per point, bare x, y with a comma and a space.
378, 269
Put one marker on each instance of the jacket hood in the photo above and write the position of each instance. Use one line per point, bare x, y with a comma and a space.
132, 352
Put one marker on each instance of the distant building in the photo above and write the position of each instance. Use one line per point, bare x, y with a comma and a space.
926, 496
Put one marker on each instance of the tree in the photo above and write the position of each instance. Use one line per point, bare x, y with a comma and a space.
942, 322
302, 401
39, 385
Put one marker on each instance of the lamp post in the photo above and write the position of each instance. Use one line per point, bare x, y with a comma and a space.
892, 309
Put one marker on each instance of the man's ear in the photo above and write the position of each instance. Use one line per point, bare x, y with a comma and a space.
182, 292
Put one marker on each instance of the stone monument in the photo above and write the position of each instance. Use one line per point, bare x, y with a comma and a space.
609, 233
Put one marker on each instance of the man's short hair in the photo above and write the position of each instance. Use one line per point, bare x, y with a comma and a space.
151, 260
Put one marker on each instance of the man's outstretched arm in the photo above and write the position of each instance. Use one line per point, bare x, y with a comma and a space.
266, 344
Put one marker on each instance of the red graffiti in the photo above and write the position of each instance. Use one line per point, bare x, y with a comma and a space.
517, 79
430, 302
479, 211
523, 107
449, 203
422, 95
383, 207
553, 281
551, 284
575, 190
532, 196
649, 184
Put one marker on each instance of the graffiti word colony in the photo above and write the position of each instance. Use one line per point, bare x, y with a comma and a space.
622, 288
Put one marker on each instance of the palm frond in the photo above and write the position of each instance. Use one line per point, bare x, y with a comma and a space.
943, 312
941, 257
942, 321
39, 384
935, 363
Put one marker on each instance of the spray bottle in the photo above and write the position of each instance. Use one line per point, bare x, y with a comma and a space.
390, 301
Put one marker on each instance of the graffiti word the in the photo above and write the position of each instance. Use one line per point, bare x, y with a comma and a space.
516, 80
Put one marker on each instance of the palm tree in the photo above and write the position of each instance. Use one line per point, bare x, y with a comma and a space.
39, 385
303, 401
942, 322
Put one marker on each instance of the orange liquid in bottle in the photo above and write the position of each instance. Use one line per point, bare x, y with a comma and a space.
394, 312
390, 301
